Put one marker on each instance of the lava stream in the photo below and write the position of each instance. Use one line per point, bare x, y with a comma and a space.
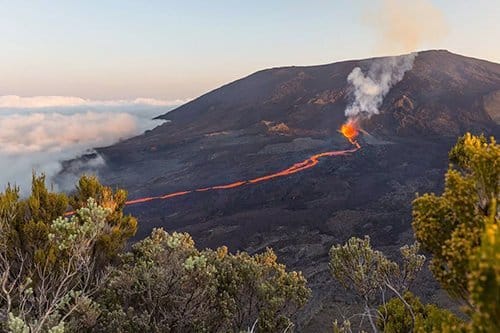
297, 167
349, 130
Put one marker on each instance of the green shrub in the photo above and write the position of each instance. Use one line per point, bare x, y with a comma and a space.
395, 316
166, 284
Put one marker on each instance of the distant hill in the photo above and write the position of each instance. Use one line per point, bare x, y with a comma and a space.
276, 117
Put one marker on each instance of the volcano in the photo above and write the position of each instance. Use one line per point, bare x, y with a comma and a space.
277, 117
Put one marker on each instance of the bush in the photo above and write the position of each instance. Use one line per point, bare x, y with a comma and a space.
42, 292
460, 229
166, 284
370, 274
395, 316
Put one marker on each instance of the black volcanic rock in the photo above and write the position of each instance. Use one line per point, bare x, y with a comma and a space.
276, 117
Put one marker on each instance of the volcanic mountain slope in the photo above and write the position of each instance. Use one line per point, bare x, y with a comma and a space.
276, 117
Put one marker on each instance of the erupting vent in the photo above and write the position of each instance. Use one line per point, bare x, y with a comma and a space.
351, 131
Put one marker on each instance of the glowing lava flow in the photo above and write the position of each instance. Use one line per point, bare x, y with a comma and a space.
350, 130
297, 167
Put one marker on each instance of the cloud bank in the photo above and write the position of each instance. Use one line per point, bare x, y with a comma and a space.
38, 133
14, 101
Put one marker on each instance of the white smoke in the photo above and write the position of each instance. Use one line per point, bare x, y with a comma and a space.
38, 133
369, 90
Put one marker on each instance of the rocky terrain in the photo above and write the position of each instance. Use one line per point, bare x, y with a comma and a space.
273, 118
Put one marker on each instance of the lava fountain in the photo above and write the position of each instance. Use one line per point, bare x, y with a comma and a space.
350, 130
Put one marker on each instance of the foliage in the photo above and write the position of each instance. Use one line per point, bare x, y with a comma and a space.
120, 226
49, 265
166, 284
450, 226
154, 289
26, 222
395, 316
460, 229
356, 265
39, 295
257, 286
369, 273
484, 279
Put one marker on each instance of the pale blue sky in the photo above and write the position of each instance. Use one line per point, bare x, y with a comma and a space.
180, 49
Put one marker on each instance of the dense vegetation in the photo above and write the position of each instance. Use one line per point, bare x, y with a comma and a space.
63, 272
71, 274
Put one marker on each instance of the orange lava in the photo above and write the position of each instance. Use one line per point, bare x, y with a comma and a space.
297, 167
349, 130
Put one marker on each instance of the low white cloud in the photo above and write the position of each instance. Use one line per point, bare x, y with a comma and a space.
22, 134
14, 101
38, 133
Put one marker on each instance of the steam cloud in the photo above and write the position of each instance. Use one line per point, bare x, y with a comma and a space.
37, 133
403, 26
369, 90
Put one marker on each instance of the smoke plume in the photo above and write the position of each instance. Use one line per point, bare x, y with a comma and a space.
404, 26
369, 90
